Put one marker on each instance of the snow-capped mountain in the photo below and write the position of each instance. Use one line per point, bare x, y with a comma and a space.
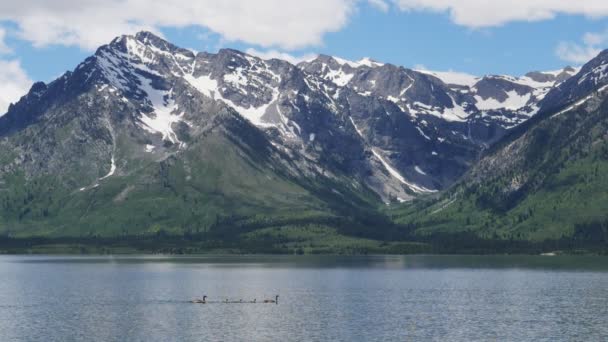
394, 130
516, 97
456, 99
546, 180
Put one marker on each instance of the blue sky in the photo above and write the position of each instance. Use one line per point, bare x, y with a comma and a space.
39, 40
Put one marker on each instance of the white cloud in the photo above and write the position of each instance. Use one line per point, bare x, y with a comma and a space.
593, 43
575, 53
3, 47
379, 4
487, 13
595, 38
285, 24
14, 83
269, 54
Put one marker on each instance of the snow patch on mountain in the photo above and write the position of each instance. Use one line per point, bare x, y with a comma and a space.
163, 107
393, 172
456, 113
596, 75
251, 113
339, 77
112, 169
210, 88
366, 61
359, 132
528, 81
581, 101
362, 62
452, 77
238, 78
406, 89
422, 133
111, 67
137, 49
513, 101
419, 170
203, 84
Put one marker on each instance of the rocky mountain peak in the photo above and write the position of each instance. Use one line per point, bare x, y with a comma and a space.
397, 130
552, 77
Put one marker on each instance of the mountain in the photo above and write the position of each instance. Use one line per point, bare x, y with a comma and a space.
455, 122
546, 180
133, 142
146, 137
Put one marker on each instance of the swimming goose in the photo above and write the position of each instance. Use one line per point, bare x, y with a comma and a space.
275, 300
200, 301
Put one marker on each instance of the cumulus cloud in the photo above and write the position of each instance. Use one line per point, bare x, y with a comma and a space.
486, 13
379, 4
576, 53
14, 83
285, 24
269, 54
592, 44
3, 47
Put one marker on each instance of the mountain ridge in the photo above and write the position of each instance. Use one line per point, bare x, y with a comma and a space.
256, 107
542, 182
143, 130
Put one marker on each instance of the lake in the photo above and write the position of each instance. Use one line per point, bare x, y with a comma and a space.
375, 298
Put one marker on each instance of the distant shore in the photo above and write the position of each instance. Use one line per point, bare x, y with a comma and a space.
180, 245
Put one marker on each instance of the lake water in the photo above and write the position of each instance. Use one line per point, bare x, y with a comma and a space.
392, 298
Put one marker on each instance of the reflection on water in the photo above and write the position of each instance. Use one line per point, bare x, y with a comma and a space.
455, 298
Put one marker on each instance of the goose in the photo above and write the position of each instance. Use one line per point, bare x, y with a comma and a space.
254, 299
275, 300
200, 301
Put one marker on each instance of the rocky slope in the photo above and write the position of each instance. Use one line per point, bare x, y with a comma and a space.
455, 119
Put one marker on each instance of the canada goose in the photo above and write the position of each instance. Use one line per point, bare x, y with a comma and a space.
200, 301
275, 300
